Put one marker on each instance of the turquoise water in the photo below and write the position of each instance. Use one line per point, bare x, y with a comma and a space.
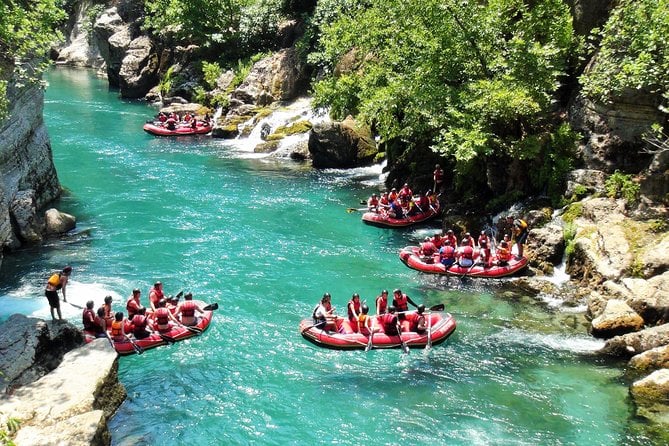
264, 238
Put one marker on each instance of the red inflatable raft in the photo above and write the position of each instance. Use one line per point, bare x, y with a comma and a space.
441, 326
409, 255
177, 333
383, 220
160, 129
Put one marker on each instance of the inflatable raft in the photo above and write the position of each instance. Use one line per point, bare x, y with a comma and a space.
441, 326
177, 333
409, 255
160, 129
383, 220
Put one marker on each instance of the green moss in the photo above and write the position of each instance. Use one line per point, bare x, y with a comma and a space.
380, 156
262, 112
658, 226
266, 147
574, 211
295, 128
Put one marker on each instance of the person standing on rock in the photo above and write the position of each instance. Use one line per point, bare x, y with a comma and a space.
57, 281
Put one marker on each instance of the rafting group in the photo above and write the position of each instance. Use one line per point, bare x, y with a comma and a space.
394, 325
400, 208
166, 320
169, 124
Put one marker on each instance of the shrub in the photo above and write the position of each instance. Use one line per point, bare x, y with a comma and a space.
619, 185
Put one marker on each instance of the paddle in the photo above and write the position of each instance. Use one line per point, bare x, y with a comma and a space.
313, 326
429, 333
139, 350
74, 305
405, 347
371, 338
211, 307
350, 210
192, 329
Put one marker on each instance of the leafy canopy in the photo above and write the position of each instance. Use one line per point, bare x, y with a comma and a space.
634, 53
470, 78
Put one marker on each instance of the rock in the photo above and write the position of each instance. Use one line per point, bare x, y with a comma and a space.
631, 344
590, 181
139, 70
616, 319
112, 35
26, 160
58, 222
546, 245
22, 209
649, 298
655, 259
651, 395
79, 50
39, 350
653, 359
87, 394
341, 145
279, 77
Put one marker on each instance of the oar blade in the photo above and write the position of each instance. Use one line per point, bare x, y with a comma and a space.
438, 307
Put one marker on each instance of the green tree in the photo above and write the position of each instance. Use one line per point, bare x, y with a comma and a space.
633, 53
26, 33
470, 79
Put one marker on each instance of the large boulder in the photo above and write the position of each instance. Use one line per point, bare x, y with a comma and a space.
279, 77
70, 405
341, 145
588, 181
139, 69
30, 348
631, 344
78, 49
616, 319
112, 35
58, 222
546, 245
653, 359
24, 212
651, 396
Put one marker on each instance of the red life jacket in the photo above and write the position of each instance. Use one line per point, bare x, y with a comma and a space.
401, 303
381, 304
438, 175
132, 306
447, 252
155, 295
162, 316
468, 252
389, 323
356, 307
188, 309
139, 323
88, 319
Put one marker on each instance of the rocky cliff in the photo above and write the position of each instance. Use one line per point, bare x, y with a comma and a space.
28, 179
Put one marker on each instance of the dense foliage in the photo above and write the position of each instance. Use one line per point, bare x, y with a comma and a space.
470, 79
238, 27
633, 53
26, 32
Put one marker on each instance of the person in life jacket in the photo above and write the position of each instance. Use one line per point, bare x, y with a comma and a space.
420, 323
353, 308
519, 234
447, 254
133, 303
364, 321
102, 323
438, 177
423, 202
382, 302
117, 331
140, 322
88, 318
156, 295
396, 210
465, 256
405, 193
163, 319
427, 250
57, 281
323, 314
467, 240
485, 253
187, 310
438, 240
384, 202
392, 195
107, 308
401, 302
503, 254
452, 238
373, 203
389, 322
483, 237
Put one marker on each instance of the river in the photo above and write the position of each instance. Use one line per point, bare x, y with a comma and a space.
264, 238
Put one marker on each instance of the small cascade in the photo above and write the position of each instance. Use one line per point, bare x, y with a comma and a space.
299, 110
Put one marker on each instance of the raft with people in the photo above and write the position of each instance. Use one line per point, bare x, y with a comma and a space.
387, 220
340, 333
177, 129
129, 344
411, 257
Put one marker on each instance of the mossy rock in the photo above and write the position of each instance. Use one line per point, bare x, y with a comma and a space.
266, 147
